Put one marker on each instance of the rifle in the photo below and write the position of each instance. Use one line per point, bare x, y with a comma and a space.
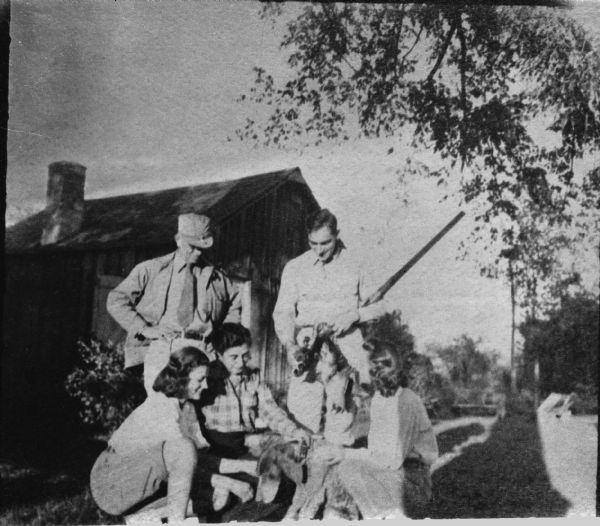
306, 356
382, 291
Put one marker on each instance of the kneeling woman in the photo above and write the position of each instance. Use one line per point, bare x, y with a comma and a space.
160, 442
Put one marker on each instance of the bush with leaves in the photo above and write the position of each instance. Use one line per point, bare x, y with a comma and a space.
565, 344
106, 391
472, 373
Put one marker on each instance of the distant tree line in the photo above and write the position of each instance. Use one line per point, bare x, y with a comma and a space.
445, 375
566, 345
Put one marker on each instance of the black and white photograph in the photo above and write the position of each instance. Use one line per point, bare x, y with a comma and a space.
291, 261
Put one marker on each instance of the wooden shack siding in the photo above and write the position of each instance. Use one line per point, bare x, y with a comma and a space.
287, 240
49, 298
43, 320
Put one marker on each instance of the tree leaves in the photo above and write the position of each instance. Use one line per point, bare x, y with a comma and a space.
469, 79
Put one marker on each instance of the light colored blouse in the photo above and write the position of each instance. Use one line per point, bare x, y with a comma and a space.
156, 420
400, 429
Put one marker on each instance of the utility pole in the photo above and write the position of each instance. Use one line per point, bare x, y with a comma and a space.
513, 369
510, 254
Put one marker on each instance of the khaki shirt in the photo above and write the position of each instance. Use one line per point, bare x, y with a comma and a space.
141, 299
313, 292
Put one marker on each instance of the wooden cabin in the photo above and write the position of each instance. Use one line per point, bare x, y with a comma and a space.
62, 262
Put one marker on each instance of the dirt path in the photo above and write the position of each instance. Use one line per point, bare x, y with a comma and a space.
570, 449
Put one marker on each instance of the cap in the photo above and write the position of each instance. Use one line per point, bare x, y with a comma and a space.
196, 229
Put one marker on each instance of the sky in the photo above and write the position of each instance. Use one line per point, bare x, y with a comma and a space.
144, 95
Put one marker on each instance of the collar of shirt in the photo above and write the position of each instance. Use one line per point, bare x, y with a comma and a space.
245, 378
338, 250
179, 262
395, 395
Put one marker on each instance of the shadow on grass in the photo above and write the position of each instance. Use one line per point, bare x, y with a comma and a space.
20, 487
453, 437
503, 477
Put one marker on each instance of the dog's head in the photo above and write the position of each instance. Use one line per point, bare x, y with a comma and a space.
330, 358
305, 357
279, 458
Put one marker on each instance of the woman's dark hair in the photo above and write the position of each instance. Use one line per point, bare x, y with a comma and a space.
174, 378
230, 335
400, 376
321, 218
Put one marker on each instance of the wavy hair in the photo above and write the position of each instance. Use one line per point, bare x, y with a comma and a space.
173, 379
319, 219
230, 335
387, 384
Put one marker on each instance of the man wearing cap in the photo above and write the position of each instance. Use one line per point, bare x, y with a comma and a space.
173, 300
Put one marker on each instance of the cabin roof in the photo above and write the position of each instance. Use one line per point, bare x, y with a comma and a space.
150, 218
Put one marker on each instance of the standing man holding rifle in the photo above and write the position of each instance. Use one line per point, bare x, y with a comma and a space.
321, 287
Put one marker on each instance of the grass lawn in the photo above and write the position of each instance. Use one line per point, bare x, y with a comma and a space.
49, 484
502, 477
453, 437
40, 497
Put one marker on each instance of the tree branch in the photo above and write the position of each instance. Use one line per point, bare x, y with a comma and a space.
331, 18
398, 31
463, 88
417, 38
445, 46
332, 21
463, 65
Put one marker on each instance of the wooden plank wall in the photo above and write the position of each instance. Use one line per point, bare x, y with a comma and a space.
46, 311
49, 301
265, 236
48, 306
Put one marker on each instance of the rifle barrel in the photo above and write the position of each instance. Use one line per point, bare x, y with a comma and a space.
381, 291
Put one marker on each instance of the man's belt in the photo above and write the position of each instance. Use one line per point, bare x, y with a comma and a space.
191, 335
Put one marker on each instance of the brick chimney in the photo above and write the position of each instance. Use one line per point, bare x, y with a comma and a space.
64, 201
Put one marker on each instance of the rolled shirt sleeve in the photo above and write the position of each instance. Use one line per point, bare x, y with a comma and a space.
122, 300
234, 312
272, 415
284, 314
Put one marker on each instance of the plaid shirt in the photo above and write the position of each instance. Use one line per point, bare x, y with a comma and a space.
240, 407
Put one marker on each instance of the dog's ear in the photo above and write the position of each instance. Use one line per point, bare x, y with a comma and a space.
349, 394
324, 330
269, 478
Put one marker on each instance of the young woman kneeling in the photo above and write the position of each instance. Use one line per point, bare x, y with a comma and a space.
160, 442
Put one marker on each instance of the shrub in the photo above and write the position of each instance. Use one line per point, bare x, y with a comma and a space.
522, 405
586, 400
435, 390
106, 391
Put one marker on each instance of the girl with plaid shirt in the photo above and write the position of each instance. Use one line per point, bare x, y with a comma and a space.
237, 403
